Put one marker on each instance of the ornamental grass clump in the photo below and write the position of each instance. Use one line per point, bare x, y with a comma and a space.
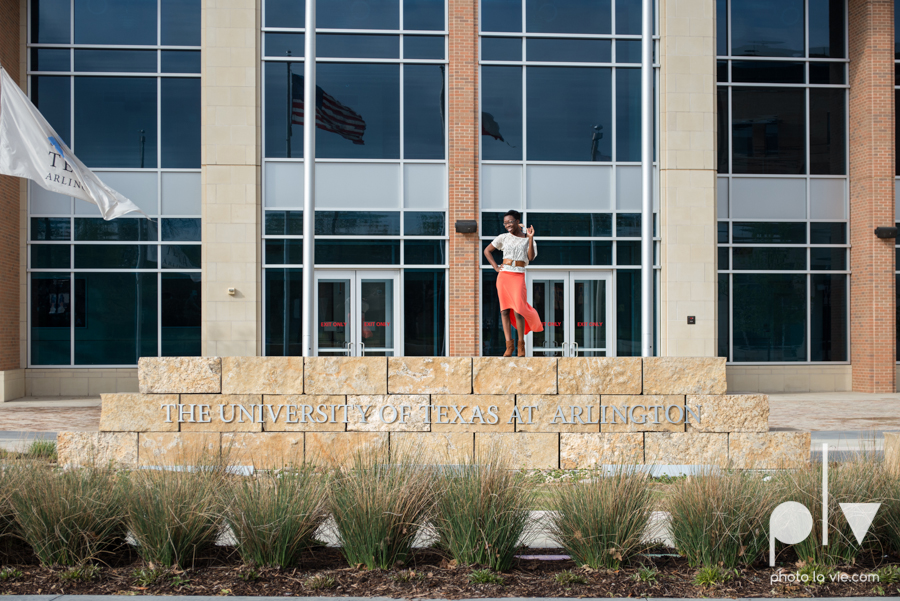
174, 516
889, 512
70, 517
483, 512
274, 515
8, 485
378, 504
600, 521
721, 518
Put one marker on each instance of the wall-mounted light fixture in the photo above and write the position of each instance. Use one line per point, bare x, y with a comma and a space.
466, 226
886, 232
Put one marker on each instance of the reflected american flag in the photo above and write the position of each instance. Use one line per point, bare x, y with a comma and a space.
331, 115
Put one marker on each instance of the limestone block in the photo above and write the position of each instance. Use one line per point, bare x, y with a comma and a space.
430, 375
444, 418
514, 375
164, 375
892, 452
227, 413
688, 448
642, 408
262, 375
178, 448
523, 451
684, 375
387, 413
346, 375
600, 375
729, 413
126, 412
451, 448
97, 448
302, 419
567, 410
264, 450
768, 450
585, 451
340, 448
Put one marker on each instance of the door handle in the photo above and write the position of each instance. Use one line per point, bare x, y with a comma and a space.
574, 349
362, 349
349, 349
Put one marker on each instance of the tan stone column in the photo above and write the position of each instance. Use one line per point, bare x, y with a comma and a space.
465, 250
872, 333
688, 178
230, 134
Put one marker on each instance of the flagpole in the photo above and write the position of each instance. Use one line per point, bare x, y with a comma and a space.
647, 179
309, 179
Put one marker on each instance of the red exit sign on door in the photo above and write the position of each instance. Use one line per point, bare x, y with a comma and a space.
590, 324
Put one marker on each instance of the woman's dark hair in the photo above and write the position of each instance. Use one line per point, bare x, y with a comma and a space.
514, 214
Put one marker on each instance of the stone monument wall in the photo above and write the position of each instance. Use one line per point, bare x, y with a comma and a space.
543, 412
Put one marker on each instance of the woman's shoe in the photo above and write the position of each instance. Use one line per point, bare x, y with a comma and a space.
509, 349
521, 348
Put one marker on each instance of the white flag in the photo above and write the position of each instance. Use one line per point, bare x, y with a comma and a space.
30, 148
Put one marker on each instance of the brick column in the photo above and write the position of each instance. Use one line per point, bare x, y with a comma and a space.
10, 194
872, 332
462, 102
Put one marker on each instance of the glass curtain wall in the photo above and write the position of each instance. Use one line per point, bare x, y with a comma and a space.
782, 187
561, 142
119, 81
381, 148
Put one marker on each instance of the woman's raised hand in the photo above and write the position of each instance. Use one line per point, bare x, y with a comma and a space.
530, 231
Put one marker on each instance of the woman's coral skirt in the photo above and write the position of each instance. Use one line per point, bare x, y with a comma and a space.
514, 296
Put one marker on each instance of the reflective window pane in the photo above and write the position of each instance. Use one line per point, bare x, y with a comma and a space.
569, 114
50, 21
425, 302
828, 259
722, 129
284, 299
827, 233
628, 17
628, 225
767, 72
827, 140
122, 22
501, 49
358, 14
357, 223
724, 315
284, 252
115, 318
115, 121
357, 46
769, 313
359, 252
422, 15
179, 256
286, 44
721, 71
721, 27
282, 141
628, 114
360, 114
180, 21
768, 233
501, 113
285, 13
573, 225
828, 317
568, 16
180, 298
115, 256
180, 61
560, 252
116, 61
51, 95
424, 252
492, 341
180, 230
768, 130
501, 15
180, 100
723, 232
423, 46
628, 253
423, 111
423, 224
828, 73
48, 228
51, 304
768, 259
723, 259
49, 256
288, 223
117, 230
628, 313
50, 59
555, 50
492, 224
827, 27
628, 51
767, 28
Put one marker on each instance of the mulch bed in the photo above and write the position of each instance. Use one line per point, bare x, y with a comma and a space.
428, 575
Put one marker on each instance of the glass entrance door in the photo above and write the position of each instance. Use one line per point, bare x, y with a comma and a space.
357, 313
574, 307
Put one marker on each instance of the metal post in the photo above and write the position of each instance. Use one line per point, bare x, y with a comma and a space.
647, 179
309, 178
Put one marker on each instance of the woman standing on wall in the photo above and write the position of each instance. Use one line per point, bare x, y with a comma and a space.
519, 249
